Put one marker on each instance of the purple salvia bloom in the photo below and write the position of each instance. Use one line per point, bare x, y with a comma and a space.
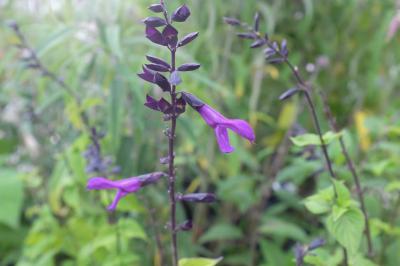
123, 186
221, 124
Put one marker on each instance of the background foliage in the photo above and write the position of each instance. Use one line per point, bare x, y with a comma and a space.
48, 218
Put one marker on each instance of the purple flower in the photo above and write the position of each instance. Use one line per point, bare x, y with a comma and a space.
123, 186
220, 123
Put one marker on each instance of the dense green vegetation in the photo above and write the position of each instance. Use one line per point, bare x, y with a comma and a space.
47, 217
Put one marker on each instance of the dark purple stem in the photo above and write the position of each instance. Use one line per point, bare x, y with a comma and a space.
305, 88
171, 170
356, 178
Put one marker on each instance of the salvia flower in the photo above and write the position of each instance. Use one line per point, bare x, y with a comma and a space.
220, 123
123, 186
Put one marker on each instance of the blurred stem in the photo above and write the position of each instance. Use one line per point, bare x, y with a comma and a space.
171, 170
350, 165
306, 90
154, 227
34, 62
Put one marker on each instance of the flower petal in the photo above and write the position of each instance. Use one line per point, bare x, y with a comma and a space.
221, 133
120, 194
211, 116
99, 183
128, 185
240, 127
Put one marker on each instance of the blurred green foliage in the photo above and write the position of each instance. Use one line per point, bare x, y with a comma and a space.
48, 218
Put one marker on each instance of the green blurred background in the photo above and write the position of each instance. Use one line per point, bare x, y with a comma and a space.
48, 218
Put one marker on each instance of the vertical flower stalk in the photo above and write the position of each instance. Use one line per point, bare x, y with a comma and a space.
276, 53
162, 31
353, 171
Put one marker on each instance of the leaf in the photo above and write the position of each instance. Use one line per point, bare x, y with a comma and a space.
320, 202
347, 229
313, 139
221, 231
114, 40
283, 229
343, 194
359, 260
199, 262
11, 197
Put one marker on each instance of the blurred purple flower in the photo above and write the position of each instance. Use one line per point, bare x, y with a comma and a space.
123, 186
220, 123
393, 26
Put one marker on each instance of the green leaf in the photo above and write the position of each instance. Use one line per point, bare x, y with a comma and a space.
320, 202
313, 139
221, 232
343, 194
347, 229
322, 257
283, 229
11, 197
359, 260
199, 262
113, 40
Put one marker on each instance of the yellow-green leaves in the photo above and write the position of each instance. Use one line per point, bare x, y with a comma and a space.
313, 139
347, 228
199, 262
345, 221
11, 197
321, 202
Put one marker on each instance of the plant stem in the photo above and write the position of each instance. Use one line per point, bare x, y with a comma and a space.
306, 89
350, 165
171, 170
